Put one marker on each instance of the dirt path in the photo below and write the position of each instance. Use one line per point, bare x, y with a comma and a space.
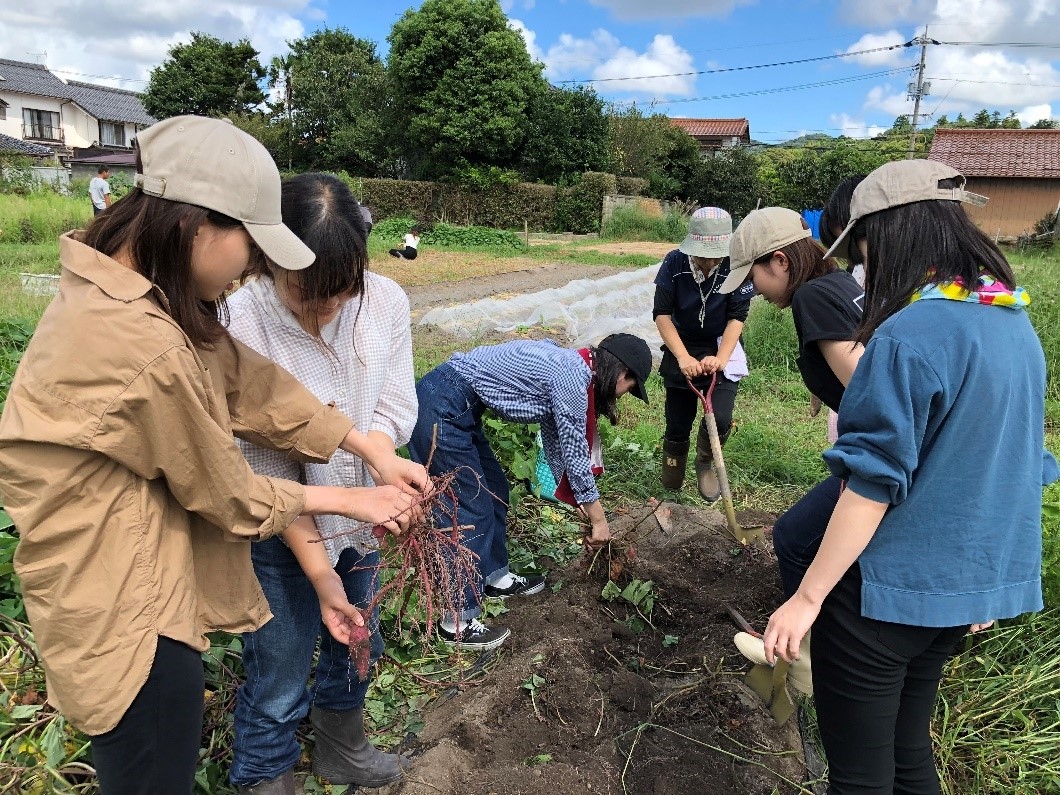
660, 711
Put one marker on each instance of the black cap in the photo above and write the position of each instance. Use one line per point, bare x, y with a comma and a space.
634, 353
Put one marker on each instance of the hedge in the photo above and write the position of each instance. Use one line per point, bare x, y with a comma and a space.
632, 186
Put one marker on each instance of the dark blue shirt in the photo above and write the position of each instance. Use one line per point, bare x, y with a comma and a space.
699, 312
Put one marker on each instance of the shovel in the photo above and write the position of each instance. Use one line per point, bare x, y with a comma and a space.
769, 685
744, 535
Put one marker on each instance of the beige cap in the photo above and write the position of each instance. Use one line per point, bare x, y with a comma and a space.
904, 182
709, 232
211, 163
760, 233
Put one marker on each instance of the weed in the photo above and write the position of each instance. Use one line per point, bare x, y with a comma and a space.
633, 223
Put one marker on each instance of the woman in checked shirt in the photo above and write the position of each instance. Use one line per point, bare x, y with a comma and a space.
345, 334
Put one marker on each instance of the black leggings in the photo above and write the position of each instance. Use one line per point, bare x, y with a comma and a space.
682, 404
403, 253
154, 749
874, 687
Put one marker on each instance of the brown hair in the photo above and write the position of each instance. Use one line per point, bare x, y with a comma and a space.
806, 261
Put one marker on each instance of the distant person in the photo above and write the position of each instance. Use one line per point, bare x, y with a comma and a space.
99, 190
412, 242
366, 215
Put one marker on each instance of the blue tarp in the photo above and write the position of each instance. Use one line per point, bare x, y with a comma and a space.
813, 220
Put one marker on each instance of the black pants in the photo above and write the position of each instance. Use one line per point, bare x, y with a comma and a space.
874, 687
403, 253
682, 404
154, 749
798, 532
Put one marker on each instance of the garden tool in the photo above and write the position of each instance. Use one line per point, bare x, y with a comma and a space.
744, 535
770, 685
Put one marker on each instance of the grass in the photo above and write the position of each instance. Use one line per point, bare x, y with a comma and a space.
635, 223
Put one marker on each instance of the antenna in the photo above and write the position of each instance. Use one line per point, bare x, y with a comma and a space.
39, 57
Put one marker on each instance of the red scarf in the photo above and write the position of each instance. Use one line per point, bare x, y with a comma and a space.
596, 461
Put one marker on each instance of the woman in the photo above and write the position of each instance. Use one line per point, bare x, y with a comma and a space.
134, 505
523, 381
774, 247
345, 335
700, 328
921, 546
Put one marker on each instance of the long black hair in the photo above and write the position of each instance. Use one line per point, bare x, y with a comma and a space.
922, 243
605, 384
837, 214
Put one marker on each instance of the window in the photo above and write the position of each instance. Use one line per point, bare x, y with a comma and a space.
111, 133
41, 124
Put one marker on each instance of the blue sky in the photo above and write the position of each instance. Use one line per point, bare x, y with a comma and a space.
581, 40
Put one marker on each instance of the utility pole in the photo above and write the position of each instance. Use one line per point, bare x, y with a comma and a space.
920, 89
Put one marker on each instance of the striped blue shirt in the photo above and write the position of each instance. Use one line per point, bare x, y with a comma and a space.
539, 381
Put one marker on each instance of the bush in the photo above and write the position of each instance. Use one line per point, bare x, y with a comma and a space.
16, 175
632, 186
578, 207
451, 236
633, 223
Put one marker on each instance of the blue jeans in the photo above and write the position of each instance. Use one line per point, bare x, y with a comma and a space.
278, 659
448, 402
798, 532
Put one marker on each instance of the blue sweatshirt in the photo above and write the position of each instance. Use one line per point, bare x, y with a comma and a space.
944, 421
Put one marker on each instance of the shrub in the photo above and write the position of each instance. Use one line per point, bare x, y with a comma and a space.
632, 186
16, 175
452, 236
578, 207
633, 223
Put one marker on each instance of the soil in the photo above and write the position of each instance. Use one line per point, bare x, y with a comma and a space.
661, 711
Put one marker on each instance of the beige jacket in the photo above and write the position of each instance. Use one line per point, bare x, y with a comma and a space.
134, 506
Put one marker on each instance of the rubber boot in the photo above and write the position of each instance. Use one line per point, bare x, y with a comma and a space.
343, 755
284, 785
800, 672
675, 457
709, 485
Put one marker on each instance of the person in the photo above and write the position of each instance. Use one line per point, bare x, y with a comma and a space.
411, 247
774, 247
99, 190
700, 328
522, 381
134, 506
938, 530
345, 334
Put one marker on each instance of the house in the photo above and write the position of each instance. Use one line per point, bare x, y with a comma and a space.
715, 134
86, 167
67, 117
1019, 170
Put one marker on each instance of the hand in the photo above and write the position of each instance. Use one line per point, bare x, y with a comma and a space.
788, 626
600, 534
387, 506
336, 611
815, 405
712, 364
690, 366
393, 470
980, 627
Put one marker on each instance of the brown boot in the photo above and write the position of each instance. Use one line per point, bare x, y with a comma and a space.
675, 457
283, 785
709, 485
343, 755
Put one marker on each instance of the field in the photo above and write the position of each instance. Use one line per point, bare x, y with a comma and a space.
632, 687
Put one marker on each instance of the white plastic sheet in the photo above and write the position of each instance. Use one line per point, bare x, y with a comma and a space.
586, 310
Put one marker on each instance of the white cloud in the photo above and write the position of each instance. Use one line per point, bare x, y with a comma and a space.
104, 40
529, 37
872, 41
854, 128
884, 98
1033, 113
655, 9
602, 57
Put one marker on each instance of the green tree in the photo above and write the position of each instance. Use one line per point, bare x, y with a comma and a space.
208, 77
1011, 122
728, 179
678, 166
639, 143
567, 135
334, 99
1045, 124
463, 84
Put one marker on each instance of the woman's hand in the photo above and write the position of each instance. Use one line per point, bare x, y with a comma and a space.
599, 534
393, 470
815, 405
788, 626
387, 506
690, 366
712, 364
336, 611
980, 627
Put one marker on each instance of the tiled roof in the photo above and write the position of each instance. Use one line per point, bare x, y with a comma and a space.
31, 78
721, 128
18, 146
110, 104
999, 153
112, 159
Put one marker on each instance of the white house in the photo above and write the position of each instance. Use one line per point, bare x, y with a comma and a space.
38, 107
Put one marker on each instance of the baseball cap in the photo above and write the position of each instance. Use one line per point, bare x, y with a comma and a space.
760, 233
904, 182
634, 353
709, 230
211, 163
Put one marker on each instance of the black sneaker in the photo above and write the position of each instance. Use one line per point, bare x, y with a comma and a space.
521, 586
476, 636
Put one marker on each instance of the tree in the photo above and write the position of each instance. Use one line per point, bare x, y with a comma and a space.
207, 77
1045, 124
463, 83
728, 179
334, 90
639, 143
567, 135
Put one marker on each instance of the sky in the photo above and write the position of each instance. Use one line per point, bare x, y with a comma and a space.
638, 51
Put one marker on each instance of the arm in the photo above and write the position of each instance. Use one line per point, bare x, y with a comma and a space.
662, 311
853, 524
842, 356
600, 532
397, 406
733, 330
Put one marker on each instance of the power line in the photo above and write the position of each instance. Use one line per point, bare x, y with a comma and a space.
747, 68
996, 82
1019, 44
99, 77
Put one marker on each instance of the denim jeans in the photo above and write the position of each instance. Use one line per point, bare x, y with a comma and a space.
798, 532
448, 403
278, 659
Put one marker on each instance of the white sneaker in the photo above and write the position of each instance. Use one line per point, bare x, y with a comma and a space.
799, 672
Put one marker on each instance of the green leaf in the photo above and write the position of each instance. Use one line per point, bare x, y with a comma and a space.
611, 592
24, 711
670, 640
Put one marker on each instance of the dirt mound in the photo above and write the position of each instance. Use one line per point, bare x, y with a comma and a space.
609, 695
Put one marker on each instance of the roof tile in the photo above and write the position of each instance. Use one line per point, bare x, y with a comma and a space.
1033, 154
